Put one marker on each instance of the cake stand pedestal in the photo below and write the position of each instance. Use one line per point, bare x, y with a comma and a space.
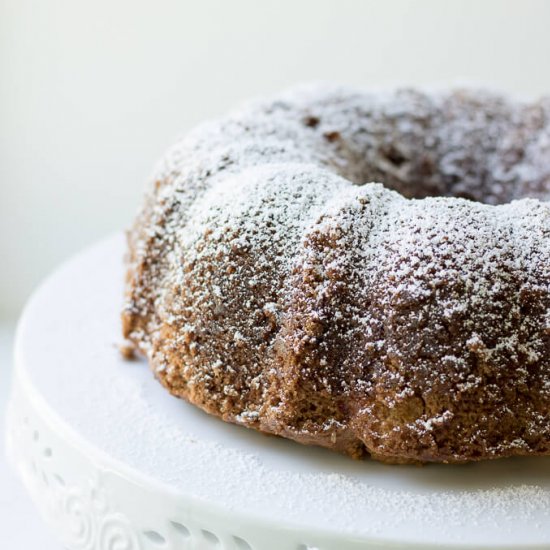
114, 462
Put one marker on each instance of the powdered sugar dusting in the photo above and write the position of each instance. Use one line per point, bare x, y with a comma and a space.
270, 285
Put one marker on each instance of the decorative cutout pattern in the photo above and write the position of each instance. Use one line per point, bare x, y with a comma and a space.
82, 506
155, 537
211, 539
241, 544
180, 529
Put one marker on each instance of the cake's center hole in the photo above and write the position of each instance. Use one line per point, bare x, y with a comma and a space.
459, 174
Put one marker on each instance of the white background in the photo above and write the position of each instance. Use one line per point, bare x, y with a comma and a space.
92, 92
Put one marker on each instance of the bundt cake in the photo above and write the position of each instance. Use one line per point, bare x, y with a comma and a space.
408, 320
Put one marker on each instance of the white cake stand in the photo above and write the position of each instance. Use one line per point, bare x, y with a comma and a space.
115, 463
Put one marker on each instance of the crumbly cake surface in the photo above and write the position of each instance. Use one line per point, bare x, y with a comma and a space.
409, 319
